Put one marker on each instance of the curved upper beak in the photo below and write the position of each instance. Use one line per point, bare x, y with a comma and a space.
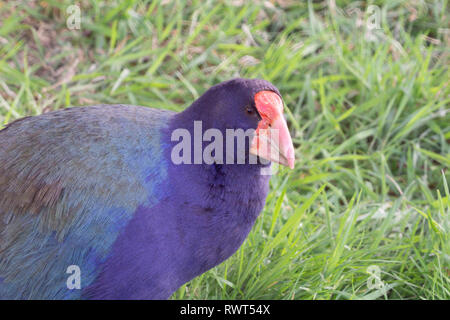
272, 140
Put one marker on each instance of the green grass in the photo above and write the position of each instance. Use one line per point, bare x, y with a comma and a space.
368, 111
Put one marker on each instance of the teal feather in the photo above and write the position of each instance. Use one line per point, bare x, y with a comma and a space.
67, 179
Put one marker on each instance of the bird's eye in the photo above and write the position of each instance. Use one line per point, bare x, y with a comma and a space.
249, 110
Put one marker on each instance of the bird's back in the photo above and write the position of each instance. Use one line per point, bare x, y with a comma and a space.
67, 179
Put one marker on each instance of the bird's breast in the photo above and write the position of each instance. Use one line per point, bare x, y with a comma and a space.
214, 212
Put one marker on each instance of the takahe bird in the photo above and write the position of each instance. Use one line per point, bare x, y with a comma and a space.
96, 188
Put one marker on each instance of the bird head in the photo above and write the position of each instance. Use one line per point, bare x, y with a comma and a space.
245, 104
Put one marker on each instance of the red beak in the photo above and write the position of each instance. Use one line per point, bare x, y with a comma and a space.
272, 140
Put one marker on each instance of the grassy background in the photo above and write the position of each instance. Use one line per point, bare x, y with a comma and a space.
368, 111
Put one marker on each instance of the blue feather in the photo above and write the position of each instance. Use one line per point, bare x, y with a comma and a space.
99, 196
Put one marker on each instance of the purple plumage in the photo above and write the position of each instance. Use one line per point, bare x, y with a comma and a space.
97, 188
